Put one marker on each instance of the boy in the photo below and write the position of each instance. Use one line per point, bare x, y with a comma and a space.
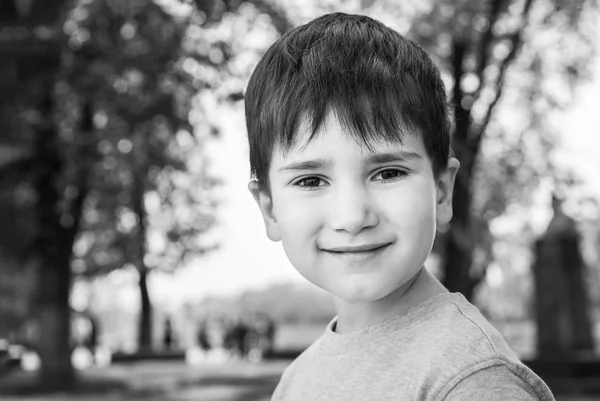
349, 136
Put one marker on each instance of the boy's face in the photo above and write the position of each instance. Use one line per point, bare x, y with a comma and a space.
356, 223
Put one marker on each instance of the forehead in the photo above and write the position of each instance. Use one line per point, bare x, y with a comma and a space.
333, 135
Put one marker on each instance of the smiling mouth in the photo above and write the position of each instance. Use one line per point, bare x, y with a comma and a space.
357, 249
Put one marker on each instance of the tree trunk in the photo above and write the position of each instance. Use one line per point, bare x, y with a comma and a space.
139, 190
459, 242
54, 268
458, 247
145, 324
35, 62
54, 322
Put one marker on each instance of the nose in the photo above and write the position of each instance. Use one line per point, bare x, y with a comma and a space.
352, 209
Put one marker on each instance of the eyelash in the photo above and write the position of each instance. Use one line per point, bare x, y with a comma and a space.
401, 174
305, 187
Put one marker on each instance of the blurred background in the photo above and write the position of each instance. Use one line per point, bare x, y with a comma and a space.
133, 260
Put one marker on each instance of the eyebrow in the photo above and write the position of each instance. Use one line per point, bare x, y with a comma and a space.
399, 156
378, 158
307, 165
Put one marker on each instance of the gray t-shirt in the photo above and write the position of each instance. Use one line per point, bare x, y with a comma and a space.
442, 349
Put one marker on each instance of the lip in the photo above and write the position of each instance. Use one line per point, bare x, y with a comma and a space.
357, 248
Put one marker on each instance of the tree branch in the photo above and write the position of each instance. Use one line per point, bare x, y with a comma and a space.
516, 40
484, 45
87, 152
77, 210
461, 115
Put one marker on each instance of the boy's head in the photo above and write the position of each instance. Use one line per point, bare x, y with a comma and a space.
379, 84
349, 147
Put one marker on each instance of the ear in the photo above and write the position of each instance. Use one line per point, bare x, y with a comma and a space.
265, 204
445, 189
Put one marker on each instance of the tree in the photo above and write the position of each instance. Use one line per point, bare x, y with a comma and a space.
127, 54
154, 155
59, 87
502, 59
102, 139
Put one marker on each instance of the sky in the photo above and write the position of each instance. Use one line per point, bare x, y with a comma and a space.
580, 138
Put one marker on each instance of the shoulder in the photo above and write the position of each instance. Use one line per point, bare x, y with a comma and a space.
466, 354
456, 330
496, 380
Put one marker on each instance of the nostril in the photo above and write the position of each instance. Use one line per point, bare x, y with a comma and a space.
354, 223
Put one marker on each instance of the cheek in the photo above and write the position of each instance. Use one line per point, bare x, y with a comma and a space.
295, 219
412, 207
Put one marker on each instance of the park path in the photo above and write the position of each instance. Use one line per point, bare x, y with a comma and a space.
174, 381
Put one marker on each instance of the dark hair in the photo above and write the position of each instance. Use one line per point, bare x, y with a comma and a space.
379, 84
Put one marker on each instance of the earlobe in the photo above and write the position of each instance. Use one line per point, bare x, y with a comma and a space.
265, 204
445, 190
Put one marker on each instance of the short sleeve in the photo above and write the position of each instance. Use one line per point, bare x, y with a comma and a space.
494, 383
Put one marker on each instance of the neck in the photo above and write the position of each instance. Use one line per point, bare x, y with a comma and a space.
355, 316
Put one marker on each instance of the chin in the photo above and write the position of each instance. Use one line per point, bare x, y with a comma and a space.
361, 293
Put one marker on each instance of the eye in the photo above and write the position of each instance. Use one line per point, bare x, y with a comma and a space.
310, 183
390, 174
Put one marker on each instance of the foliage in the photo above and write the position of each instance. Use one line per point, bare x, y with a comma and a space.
285, 303
290, 303
156, 125
105, 166
508, 64
98, 111
142, 99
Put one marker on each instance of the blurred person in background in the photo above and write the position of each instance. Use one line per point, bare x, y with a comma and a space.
168, 335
